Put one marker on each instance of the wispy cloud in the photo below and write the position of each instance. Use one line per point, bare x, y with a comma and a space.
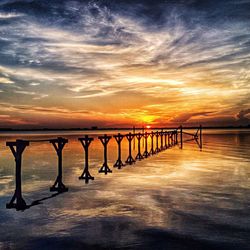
144, 64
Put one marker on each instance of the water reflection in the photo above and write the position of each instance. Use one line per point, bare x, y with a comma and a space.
177, 199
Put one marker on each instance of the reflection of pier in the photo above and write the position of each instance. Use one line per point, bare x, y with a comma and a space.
168, 138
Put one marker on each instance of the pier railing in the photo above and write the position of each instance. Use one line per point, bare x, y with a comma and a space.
160, 141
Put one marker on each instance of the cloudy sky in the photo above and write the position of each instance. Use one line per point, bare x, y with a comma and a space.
123, 63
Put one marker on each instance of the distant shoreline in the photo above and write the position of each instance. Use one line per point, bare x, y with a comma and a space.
105, 129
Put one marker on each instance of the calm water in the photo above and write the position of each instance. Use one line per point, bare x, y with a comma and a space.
178, 199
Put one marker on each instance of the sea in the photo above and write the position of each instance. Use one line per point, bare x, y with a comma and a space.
180, 198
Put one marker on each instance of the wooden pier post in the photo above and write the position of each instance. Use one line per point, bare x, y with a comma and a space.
59, 144
139, 156
152, 151
119, 162
130, 160
17, 149
105, 168
146, 153
85, 141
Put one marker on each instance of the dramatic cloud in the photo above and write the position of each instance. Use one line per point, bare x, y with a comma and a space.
125, 62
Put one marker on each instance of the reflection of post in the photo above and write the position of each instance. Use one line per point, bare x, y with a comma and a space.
105, 168
119, 139
130, 160
59, 144
139, 155
200, 137
181, 135
20, 147
146, 153
152, 151
85, 141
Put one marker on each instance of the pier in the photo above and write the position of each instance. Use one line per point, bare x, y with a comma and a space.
160, 141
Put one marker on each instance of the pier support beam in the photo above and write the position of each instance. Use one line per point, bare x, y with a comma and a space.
17, 149
139, 156
152, 151
161, 135
165, 140
157, 150
119, 162
130, 160
181, 137
85, 141
105, 168
146, 153
200, 137
59, 144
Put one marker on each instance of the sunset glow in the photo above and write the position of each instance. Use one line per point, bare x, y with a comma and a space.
80, 63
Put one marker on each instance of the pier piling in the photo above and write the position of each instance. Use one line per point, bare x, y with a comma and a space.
130, 160
146, 153
139, 156
85, 141
58, 145
17, 149
119, 162
105, 168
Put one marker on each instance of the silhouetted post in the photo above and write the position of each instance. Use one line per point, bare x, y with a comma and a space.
119, 162
59, 144
85, 141
176, 132
130, 160
143, 137
105, 168
200, 136
146, 153
165, 140
169, 140
157, 142
139, 155
133, 138
152, 151
161, 134
20, 146
181, 135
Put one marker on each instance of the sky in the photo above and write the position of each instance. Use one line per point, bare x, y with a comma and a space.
66, 64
